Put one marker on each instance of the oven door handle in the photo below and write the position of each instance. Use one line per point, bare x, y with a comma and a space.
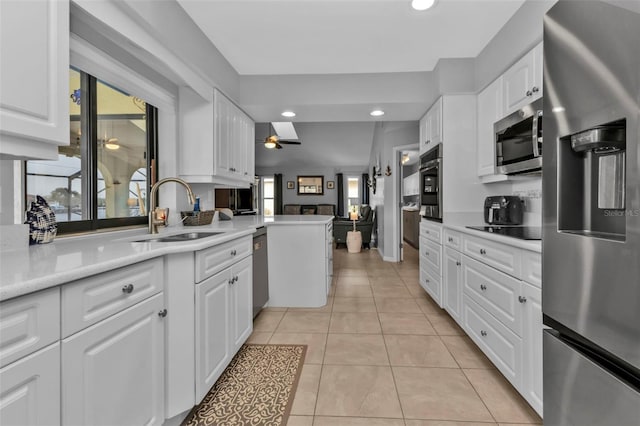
432, 164
537, 117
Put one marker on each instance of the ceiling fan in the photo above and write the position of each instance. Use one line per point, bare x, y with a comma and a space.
273, 139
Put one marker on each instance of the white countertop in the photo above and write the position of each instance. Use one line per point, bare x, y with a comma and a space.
459, 222
29, 269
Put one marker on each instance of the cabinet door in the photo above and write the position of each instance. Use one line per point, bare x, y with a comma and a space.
242, 301
538, 66
30, 389
422, 131
532, 341
35, 77
452, 283
435, 123
212, 335
489, 111
517, 84
222, 134
113, 371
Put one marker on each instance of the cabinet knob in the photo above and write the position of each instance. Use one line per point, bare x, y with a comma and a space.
483, 287
233, 252
426, 280
535, 89
162, 313
483, 333
450, 239
235, 279
127, 288
483, 251
458, 263
522, 299
529, 93
427, 231
230, 281
426, 253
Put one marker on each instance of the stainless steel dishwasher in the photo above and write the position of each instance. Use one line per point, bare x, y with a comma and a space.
260, 270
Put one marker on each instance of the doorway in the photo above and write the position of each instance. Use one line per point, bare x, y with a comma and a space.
407, 207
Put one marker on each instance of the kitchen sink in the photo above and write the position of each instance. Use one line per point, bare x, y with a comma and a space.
188, 236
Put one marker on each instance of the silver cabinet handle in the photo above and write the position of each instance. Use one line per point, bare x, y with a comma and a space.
231, 281
483, 287
235, 279
458, 263
522, 299
483, 333
483, 251
535, 89
127, 288
162, 313
529, 93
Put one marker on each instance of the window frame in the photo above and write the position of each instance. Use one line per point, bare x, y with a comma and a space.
264, 197
89, 162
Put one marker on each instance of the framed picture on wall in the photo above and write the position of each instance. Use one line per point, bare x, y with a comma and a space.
291, 184
330, 184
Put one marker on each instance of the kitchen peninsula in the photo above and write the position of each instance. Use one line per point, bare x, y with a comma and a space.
78, 310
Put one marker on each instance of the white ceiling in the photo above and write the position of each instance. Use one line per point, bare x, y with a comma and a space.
276, 37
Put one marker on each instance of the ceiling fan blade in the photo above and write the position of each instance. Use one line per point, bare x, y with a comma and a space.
290, 142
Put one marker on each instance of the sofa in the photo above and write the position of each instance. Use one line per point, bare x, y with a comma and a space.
364, 225
322, 209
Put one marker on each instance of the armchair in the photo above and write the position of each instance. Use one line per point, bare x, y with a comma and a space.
364, 225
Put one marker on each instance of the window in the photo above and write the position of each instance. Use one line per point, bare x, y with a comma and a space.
267, 200
353, 194
101, 179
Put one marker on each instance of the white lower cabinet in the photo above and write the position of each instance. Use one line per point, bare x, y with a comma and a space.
531, 301
113, 371
452, 283
224, 321
499, 343
30, 389
494, 292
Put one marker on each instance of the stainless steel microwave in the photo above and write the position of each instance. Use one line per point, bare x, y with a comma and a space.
518, 139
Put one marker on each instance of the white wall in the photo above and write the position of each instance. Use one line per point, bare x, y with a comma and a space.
388, 135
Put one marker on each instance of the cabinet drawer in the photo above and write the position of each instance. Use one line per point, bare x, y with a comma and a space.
502, 347
28, 323
431, 230
431, 253
501, 256
87, 301
532, 267
453, 239
494, 291
431, 284
214, 259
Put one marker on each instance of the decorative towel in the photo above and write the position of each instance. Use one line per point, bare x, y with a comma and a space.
42, 222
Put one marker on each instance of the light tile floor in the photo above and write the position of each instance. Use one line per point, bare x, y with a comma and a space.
382, 353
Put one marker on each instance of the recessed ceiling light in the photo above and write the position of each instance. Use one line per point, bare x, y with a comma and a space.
422, 4
288, 114
376, 113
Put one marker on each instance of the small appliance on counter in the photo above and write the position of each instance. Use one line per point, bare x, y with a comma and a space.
503, 210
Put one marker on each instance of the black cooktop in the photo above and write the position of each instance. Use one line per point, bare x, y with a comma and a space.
521, 232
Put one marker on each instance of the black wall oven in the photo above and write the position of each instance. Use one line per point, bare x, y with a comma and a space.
431, 184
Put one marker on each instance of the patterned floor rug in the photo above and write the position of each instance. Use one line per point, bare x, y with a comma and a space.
257, 388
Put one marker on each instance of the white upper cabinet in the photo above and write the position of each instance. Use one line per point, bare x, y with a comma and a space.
489, 111
522, 83
431, 127
217, 140
34, 83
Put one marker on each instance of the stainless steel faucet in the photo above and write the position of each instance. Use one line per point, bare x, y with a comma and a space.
153, 222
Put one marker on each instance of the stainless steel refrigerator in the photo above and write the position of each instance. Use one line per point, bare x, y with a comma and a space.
591, 214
